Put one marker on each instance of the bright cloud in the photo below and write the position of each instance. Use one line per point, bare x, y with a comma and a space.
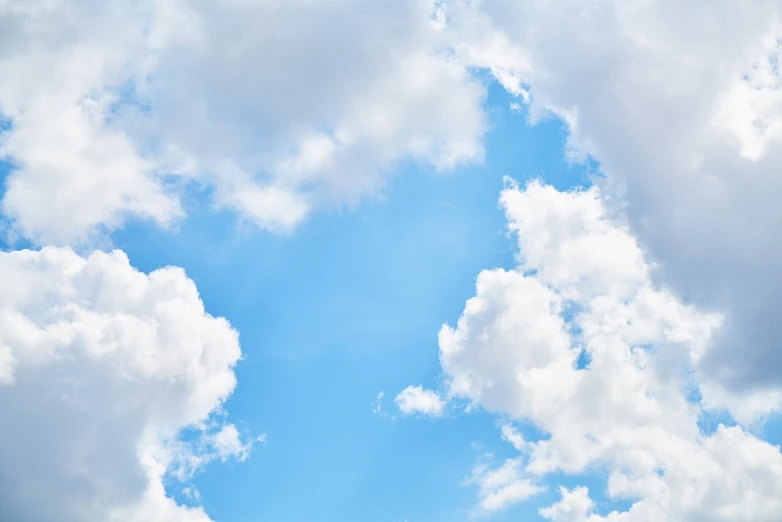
501, 487
103, 367
415, 399
276, 107
680, 103
583, 290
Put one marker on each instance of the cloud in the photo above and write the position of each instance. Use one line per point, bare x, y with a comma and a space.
501, 487
377, 404
415, 399
111, 381
274, 108
575, 506
512, 435
680, 103
579, 341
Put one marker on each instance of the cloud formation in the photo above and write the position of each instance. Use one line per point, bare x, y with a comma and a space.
275, 108
581, 342
415, 399
680, 103
110, 381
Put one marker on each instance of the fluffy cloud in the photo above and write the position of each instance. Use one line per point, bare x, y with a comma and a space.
276, 108
502, 487
680, 102
581, 342
110, 380
415, 399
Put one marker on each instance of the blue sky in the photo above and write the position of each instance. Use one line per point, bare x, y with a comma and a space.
410, 261
347, 307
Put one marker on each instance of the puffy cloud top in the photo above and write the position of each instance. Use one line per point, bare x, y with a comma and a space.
415, 399
101, 369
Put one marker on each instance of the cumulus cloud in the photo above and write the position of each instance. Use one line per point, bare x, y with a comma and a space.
680, 103
580, 341
276, 108
415, 399
110, 382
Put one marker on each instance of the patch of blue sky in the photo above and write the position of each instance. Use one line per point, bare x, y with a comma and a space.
8, 239
5, 123
346, 307
771, 430
5, 169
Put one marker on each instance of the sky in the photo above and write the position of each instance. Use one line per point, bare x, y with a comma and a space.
409, 261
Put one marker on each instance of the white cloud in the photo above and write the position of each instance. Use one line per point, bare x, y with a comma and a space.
228, 443
503, 486
583, 288
103, 369
680, 102
512, 435
278, 108
575, 506
76, 172
377, 404
415, 399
